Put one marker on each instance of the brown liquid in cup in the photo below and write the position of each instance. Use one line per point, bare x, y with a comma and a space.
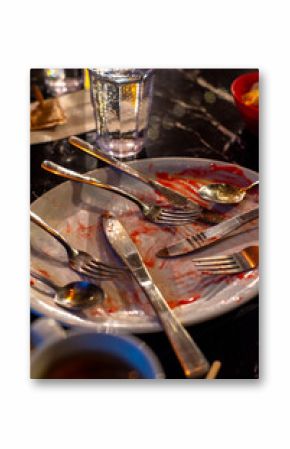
91, 365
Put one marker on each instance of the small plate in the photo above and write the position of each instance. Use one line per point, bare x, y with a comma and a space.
75, 210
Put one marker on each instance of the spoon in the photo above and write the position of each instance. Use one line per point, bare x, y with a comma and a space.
224, 193
75, 295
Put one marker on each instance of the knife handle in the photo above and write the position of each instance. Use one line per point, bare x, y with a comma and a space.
191, 358
110, 160
232, 224
249, 216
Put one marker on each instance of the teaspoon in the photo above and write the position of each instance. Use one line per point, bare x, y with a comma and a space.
224, 193
75, 295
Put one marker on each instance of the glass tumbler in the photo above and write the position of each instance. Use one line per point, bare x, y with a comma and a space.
121, 102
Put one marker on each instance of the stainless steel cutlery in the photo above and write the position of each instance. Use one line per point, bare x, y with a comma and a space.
238, 262
171, 216
175, 198
192, 360
80, 261
211, 235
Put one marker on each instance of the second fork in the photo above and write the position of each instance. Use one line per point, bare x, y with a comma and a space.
169, 216
80, 261
244, 260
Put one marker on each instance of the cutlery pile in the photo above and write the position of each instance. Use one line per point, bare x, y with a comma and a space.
181, 211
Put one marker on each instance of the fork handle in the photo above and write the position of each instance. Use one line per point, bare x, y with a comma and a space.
41, 223
110, 160
75, 176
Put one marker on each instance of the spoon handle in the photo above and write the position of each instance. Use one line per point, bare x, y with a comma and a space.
256, 183
75, 176
43, 279
41, 223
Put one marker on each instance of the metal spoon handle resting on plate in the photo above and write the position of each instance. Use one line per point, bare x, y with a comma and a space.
75, 295
175, 198
225, 193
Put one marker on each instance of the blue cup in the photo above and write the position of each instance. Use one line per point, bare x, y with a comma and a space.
53, 345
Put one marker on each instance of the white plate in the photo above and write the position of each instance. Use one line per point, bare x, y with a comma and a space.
75, 210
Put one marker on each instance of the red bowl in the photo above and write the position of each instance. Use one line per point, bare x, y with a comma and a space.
250, 113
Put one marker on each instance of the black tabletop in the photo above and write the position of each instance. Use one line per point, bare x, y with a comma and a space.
193, 115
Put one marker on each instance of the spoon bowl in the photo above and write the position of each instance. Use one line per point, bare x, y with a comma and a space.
224, 193
75, 295
79, 295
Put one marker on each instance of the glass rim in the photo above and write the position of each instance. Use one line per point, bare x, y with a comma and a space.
111, 75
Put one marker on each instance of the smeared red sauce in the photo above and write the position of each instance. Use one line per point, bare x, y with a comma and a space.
180, 302
162, 264
136, 298
168, 177
68, 228
135, 236
179, 277
184, 187
246, 275
142, 229
32, 282
110, 305
149, 262
86, 231
228, 168
195, 177
112, 309
93, 312
45, 273
219, 170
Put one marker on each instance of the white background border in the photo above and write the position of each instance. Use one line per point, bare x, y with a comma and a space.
220, 34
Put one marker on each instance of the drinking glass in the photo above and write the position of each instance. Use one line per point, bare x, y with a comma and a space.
121, 100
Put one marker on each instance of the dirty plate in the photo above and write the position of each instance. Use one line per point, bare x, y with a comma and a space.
75, 210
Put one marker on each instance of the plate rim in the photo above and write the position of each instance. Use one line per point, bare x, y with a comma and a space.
40, 308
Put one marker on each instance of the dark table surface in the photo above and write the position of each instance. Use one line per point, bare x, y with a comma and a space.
193, 115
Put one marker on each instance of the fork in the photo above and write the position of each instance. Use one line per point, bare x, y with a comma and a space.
171, 216
244, 260
80, 261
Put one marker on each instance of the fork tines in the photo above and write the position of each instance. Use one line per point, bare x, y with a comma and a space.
177, 215
99, 270
227, 264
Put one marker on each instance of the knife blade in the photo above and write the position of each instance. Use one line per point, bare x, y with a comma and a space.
172, 196
208, 237
192, 360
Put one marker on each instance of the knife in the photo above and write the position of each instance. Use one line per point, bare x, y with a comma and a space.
174, 197
211, 235
192, 360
